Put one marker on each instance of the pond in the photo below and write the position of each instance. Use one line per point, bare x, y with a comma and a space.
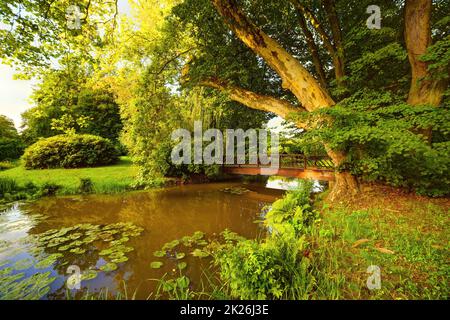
113, 239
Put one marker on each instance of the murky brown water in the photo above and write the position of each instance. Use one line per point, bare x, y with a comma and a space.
164, 215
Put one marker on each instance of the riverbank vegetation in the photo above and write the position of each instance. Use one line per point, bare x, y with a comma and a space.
19, 183
316, 251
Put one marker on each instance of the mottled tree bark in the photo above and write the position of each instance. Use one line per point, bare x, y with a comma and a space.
423, 89
418, 39
254, 100
293, 75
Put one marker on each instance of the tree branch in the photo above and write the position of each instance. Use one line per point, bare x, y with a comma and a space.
316, 24
313, 50
294, 76
338, 59
254, 100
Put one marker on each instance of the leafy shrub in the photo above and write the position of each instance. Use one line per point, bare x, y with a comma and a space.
10, 148
48, 189
277, 267
273, 269
384, 141
86, 185
4, 165
293, 213
70, 151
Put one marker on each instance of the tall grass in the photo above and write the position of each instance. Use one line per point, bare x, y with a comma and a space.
7, 185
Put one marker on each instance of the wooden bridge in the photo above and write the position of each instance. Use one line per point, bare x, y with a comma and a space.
291, 165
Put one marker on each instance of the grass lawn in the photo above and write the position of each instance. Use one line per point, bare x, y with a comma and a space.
108, 179
405, 235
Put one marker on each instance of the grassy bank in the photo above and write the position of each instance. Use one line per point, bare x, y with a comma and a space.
109, 179
405, 235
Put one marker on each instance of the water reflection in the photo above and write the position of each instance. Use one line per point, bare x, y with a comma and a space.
164, 215
285, 183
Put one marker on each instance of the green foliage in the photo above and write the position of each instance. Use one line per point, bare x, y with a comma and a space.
278, 266
273, 269
36, 34
7, 185
438, 58
11, 148
86, 185
11, 145
70, 151
4, 165
293, 213
7, 129
383, 141
67, 101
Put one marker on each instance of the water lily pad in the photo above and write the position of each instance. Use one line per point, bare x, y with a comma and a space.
109, 267
187, 241
156, 264
170, 245
89, 239
89, 275
23, 264
16, 287
77, 243
198, 235
180, 255
106, 252
78, 251
235, 190
48, 261
75, 236
181, 265
122, 248
65, 247
120, 259
119, 241
202, 243
199, 253
159, 254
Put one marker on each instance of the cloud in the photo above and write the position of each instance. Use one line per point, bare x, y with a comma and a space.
14, 94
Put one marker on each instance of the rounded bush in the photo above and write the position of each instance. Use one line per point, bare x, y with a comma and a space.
70, 151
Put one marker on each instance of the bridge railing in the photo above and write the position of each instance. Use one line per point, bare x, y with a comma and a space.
294, 161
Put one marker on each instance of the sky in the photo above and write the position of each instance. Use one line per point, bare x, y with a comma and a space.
14, 94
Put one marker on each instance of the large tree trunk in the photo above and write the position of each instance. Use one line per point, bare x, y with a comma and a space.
423, 89
344, 185
294, 76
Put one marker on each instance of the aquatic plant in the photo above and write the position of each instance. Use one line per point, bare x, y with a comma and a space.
59, 247
156, 264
